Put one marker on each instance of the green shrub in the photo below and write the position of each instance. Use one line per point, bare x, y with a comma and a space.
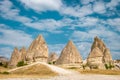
54, 62
1, 64
109, 66
5, 72
49, 62
21, 63
72, 68
106, 66
83, 66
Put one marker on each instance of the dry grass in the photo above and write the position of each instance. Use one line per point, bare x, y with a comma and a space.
38, 70
2, 69
97, 71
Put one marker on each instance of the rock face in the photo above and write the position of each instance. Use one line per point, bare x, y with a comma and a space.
69, 55
99, 54
107, 56
52, 57
38, 50
15, 58
3, 61
23, 53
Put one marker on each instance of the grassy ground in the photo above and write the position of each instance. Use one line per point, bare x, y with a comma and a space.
2, 69
38, 70
94, 71
97, 71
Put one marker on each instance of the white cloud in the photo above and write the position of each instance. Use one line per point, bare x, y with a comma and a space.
57, 5
8, 11
50, 25
84, 48
42, 5
84, 2
114, 23
57, 48
115, 54
112, 4
6, 51
99, 7
14, 37
76, 11
110, 38
81, 36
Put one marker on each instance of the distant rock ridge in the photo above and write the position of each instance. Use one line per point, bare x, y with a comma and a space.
52, 58
69, 55
99, 53
3, 61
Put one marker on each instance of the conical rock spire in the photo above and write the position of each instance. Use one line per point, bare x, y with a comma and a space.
15, 58
38, 50
99, 53
69, 55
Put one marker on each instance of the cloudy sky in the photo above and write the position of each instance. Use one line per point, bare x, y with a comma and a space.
59, 21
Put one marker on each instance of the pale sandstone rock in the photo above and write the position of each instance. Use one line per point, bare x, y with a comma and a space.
52, 57
69, 55
99, 54
23, 53
107, 56
38, 50
15, 58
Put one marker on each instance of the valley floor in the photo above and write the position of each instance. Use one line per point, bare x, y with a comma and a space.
63, 74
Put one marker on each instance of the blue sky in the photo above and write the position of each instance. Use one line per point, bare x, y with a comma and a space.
59, 21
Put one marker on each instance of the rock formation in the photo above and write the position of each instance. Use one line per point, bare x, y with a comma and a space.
107, 56
23, 53
15, 58
3, 61
99, 54
38, 50
52, 58
69, 55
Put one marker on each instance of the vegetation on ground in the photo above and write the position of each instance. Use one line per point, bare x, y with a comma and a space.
98, 71
38, 70
21, 63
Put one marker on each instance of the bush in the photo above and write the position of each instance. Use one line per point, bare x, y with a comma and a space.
1, 64
5, 72
54, 62
109, 66
72, 68
83, 66
21, 63
49, 62
106, 66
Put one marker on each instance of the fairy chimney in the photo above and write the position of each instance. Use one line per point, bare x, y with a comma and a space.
15, 58
99, 53
69, 55
38, 50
